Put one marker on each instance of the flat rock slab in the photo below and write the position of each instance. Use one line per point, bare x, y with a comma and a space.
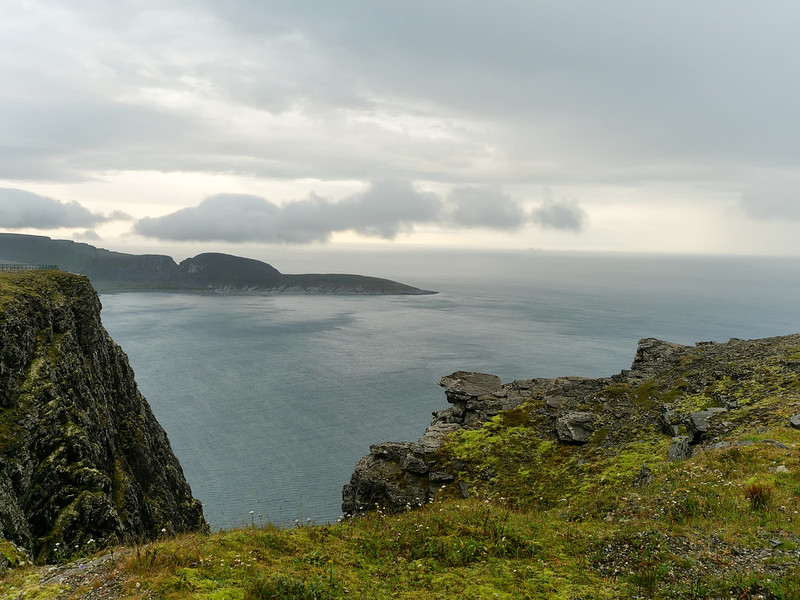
467, 383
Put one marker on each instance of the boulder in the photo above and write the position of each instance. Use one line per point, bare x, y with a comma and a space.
679, 448
575, 427
698, 423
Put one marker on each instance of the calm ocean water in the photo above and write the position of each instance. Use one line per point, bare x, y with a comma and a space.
270, 400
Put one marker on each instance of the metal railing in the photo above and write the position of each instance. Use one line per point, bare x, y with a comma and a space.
22, 267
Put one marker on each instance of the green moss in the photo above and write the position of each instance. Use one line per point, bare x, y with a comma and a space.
515, 417
119, 489
646, 394
612, 391
14, 557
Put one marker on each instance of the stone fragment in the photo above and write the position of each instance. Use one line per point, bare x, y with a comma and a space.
794, 421
555, 401
679, 448
441, 477
575, 427
394, 451
668, 418
414, 464
464, 489
643, 478
698, 422
432, 439
775, 443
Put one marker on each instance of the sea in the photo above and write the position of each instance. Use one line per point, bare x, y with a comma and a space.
269, 401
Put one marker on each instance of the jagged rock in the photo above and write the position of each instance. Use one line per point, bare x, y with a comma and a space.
679, 448
393, 451
698, 422
556, 402
463, 489
575, 427
432, 439
794, 421
669, 421
380, 481
652, 353
81, 454
643, 478
398, 474
414, 463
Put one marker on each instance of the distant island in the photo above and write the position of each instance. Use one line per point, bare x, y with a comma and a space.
208, 272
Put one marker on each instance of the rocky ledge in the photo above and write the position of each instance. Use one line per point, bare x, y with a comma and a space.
693, 396
83, 461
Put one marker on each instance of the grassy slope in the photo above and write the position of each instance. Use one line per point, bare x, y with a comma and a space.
544, 520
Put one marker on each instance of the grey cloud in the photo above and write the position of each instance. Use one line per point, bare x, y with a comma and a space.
559, 214
20, 209
485, 207
580, 86
638, 80
90, 235
223, 217
385, 209
775, 198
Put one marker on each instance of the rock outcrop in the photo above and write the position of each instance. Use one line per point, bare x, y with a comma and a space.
83, 461
691, 396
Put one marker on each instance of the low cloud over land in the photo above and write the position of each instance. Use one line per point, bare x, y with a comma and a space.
20, 209
384, 210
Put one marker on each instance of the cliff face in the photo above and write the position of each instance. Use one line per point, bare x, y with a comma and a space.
81, 455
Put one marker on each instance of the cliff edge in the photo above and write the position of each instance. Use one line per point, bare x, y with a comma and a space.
83, 461
537, 441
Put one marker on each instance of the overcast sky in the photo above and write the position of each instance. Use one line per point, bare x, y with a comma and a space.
653, 126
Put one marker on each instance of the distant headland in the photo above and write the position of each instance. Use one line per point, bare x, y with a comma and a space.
111, 271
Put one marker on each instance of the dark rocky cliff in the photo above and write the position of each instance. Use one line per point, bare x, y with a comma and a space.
81, 455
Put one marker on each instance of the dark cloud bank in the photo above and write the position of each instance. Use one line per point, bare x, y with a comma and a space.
384, 210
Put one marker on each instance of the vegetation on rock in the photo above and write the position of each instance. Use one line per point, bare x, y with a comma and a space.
81, 455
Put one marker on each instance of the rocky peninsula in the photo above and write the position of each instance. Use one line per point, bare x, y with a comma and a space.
210, 272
